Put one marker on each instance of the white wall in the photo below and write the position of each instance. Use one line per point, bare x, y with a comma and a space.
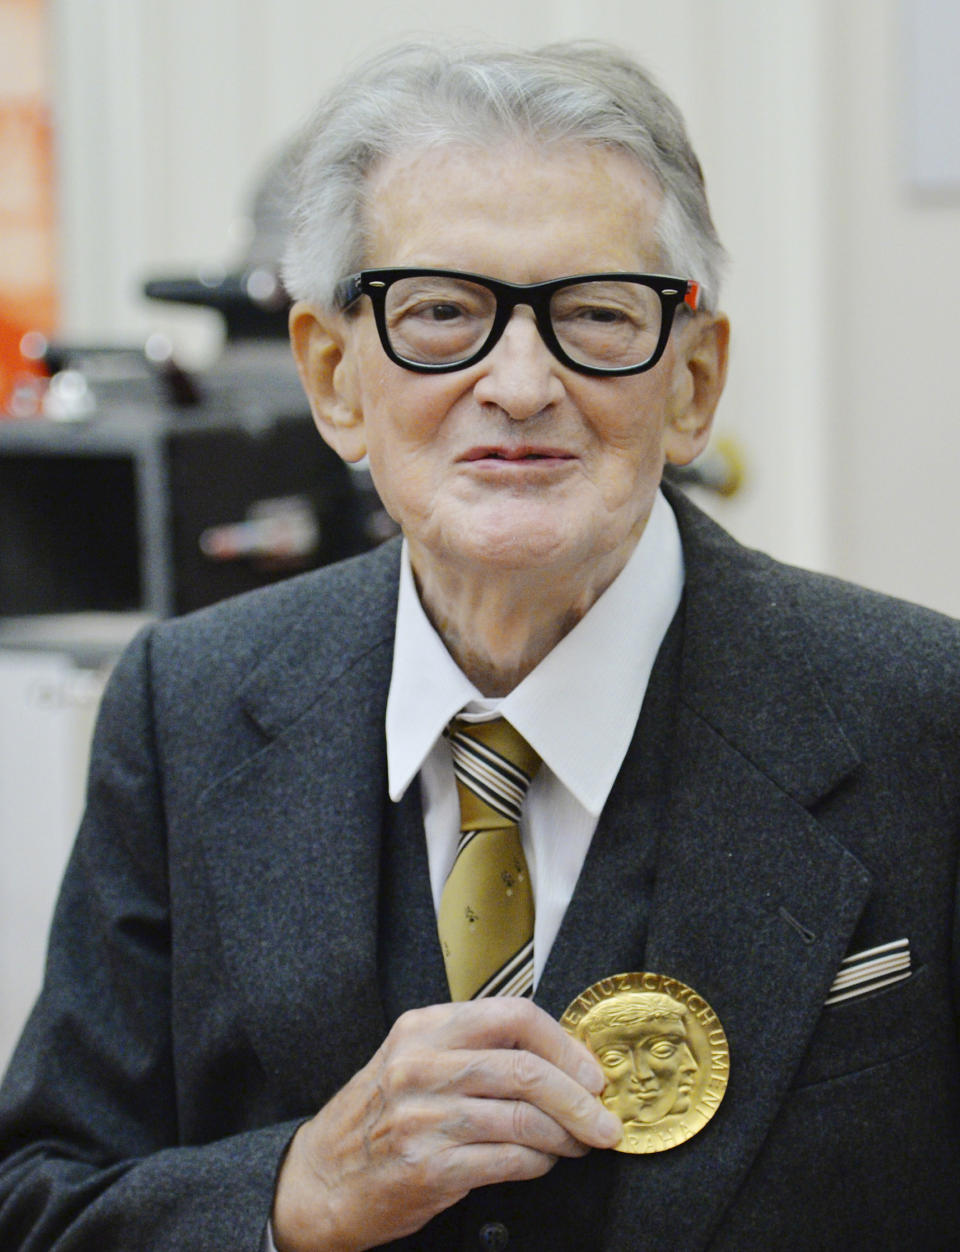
894, 447
168, 109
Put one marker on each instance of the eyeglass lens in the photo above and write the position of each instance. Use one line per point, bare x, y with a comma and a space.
606, 323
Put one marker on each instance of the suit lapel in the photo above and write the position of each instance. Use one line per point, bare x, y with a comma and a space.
754, 907
753, 901
288, 842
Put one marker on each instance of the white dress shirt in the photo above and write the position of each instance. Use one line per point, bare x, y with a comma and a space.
577, 709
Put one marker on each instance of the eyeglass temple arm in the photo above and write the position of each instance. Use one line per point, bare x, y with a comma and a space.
347, 291
692, 297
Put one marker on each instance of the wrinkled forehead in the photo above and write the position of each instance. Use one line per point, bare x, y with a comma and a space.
488, 188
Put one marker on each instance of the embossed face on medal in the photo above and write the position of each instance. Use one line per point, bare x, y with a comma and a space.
663, 1051
642, 1043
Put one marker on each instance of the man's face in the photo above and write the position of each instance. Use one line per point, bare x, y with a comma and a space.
649, 1067
518, 461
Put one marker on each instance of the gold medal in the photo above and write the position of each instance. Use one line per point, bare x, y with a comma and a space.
663, 1051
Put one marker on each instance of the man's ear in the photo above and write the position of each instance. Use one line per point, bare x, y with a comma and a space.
318, 340
700, 371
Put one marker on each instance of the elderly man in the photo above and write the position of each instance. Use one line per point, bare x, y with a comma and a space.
570, 730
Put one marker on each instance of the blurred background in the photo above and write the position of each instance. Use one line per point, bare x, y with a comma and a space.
155, 453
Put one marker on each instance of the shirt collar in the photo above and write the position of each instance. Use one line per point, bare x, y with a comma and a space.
580, 705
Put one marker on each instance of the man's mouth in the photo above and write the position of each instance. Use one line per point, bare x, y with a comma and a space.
526, 454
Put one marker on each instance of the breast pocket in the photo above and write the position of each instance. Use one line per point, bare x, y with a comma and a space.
872, 1029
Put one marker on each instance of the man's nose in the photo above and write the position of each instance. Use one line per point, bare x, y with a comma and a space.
520, 374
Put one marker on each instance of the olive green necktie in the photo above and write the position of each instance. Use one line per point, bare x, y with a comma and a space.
485, 920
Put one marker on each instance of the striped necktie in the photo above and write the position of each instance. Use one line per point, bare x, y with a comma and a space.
485, 919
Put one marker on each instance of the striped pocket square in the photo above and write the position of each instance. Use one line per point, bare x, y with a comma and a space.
866, 971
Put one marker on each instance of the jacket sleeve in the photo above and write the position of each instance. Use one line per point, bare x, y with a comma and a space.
91, 1151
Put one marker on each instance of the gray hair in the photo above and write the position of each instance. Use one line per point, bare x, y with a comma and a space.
420, 95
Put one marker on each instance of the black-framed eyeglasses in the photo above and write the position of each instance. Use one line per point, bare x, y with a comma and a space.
434, 321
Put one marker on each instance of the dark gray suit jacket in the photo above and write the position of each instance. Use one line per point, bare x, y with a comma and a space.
245, 912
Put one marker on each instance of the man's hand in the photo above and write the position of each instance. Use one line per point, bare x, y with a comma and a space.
458, 1096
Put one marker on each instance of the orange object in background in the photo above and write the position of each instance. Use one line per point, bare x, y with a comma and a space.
28, 278
21, 375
